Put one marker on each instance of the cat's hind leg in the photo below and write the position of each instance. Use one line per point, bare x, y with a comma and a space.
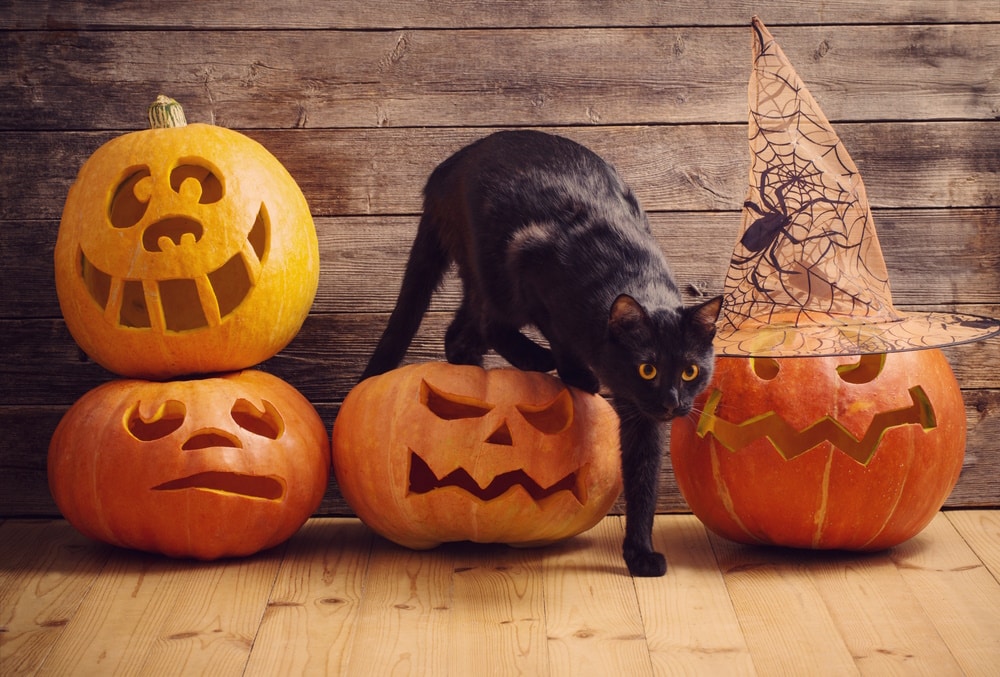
464, 342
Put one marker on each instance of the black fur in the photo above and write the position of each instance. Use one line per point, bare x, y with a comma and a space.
545, 233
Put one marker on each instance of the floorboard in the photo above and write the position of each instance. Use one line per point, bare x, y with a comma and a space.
338, 600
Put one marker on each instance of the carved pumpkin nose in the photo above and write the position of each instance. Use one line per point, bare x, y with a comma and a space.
209, 437
177, 230
501, 436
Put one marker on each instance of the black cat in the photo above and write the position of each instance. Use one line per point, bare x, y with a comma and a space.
546, 233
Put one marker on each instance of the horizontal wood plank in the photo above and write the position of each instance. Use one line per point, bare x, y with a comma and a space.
324, 361
24, 485
671, 168
934, 257
439, 78
303, 14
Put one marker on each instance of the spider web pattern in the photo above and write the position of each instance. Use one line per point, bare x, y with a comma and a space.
808, 249
807, 275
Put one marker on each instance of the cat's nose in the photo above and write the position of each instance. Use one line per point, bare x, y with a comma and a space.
670, 399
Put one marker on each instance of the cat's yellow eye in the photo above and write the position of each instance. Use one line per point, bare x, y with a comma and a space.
691, 373
647, 371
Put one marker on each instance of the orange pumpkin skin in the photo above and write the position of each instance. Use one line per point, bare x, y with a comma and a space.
207, 468
403, 440
184, 250
884, 491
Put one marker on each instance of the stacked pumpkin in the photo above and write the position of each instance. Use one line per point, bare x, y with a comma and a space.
186, 255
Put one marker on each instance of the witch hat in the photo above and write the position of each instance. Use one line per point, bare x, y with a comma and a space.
807, 275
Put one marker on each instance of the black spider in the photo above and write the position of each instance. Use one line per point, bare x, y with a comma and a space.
765, 236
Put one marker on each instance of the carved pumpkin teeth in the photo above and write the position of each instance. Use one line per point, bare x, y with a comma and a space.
791, 443
248, 486
424, 480
183, 302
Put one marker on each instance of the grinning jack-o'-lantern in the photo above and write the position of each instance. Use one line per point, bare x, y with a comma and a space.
184, 249
434, 452
854, 453
203, 468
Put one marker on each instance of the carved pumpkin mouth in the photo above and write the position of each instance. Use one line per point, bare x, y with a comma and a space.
424, 480
237, 484
791, 443
178, 305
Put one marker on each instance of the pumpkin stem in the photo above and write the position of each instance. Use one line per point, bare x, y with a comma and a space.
165, 113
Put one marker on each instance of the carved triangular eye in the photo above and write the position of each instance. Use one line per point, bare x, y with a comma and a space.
267, 423
167, 419
449, 406
551, 418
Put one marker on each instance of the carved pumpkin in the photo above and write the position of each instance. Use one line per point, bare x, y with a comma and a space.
434, 452
203, 468
854, 453
184, 249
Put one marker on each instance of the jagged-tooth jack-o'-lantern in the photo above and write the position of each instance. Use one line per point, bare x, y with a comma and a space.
433, 452
854, 453
204, 468
184, 249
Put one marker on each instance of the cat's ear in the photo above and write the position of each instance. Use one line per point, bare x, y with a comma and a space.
627, 317
704, 316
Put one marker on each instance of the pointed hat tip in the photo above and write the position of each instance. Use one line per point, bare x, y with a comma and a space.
760, 33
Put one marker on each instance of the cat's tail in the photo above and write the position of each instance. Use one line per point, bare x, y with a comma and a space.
425, 269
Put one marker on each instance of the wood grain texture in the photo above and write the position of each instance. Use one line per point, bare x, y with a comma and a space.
46, 569
410, 78
234, 14
953, 585
596, 628
670, 168
691, 625
337, 600
311, 615
24, 487
361, 100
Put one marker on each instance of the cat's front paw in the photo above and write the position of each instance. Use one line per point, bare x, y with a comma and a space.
645, 563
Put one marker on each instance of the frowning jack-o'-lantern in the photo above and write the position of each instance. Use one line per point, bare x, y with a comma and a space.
855, 452
202, 468
434, 452
184, 249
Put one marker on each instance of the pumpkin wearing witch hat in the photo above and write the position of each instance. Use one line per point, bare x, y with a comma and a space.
833, 420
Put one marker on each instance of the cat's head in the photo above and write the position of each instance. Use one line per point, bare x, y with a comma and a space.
660, 360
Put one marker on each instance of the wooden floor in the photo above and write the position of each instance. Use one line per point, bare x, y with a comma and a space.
337, 600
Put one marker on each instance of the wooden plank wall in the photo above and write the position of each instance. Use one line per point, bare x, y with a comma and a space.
360, 100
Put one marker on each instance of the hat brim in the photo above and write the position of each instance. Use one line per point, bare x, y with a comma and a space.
789, 336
